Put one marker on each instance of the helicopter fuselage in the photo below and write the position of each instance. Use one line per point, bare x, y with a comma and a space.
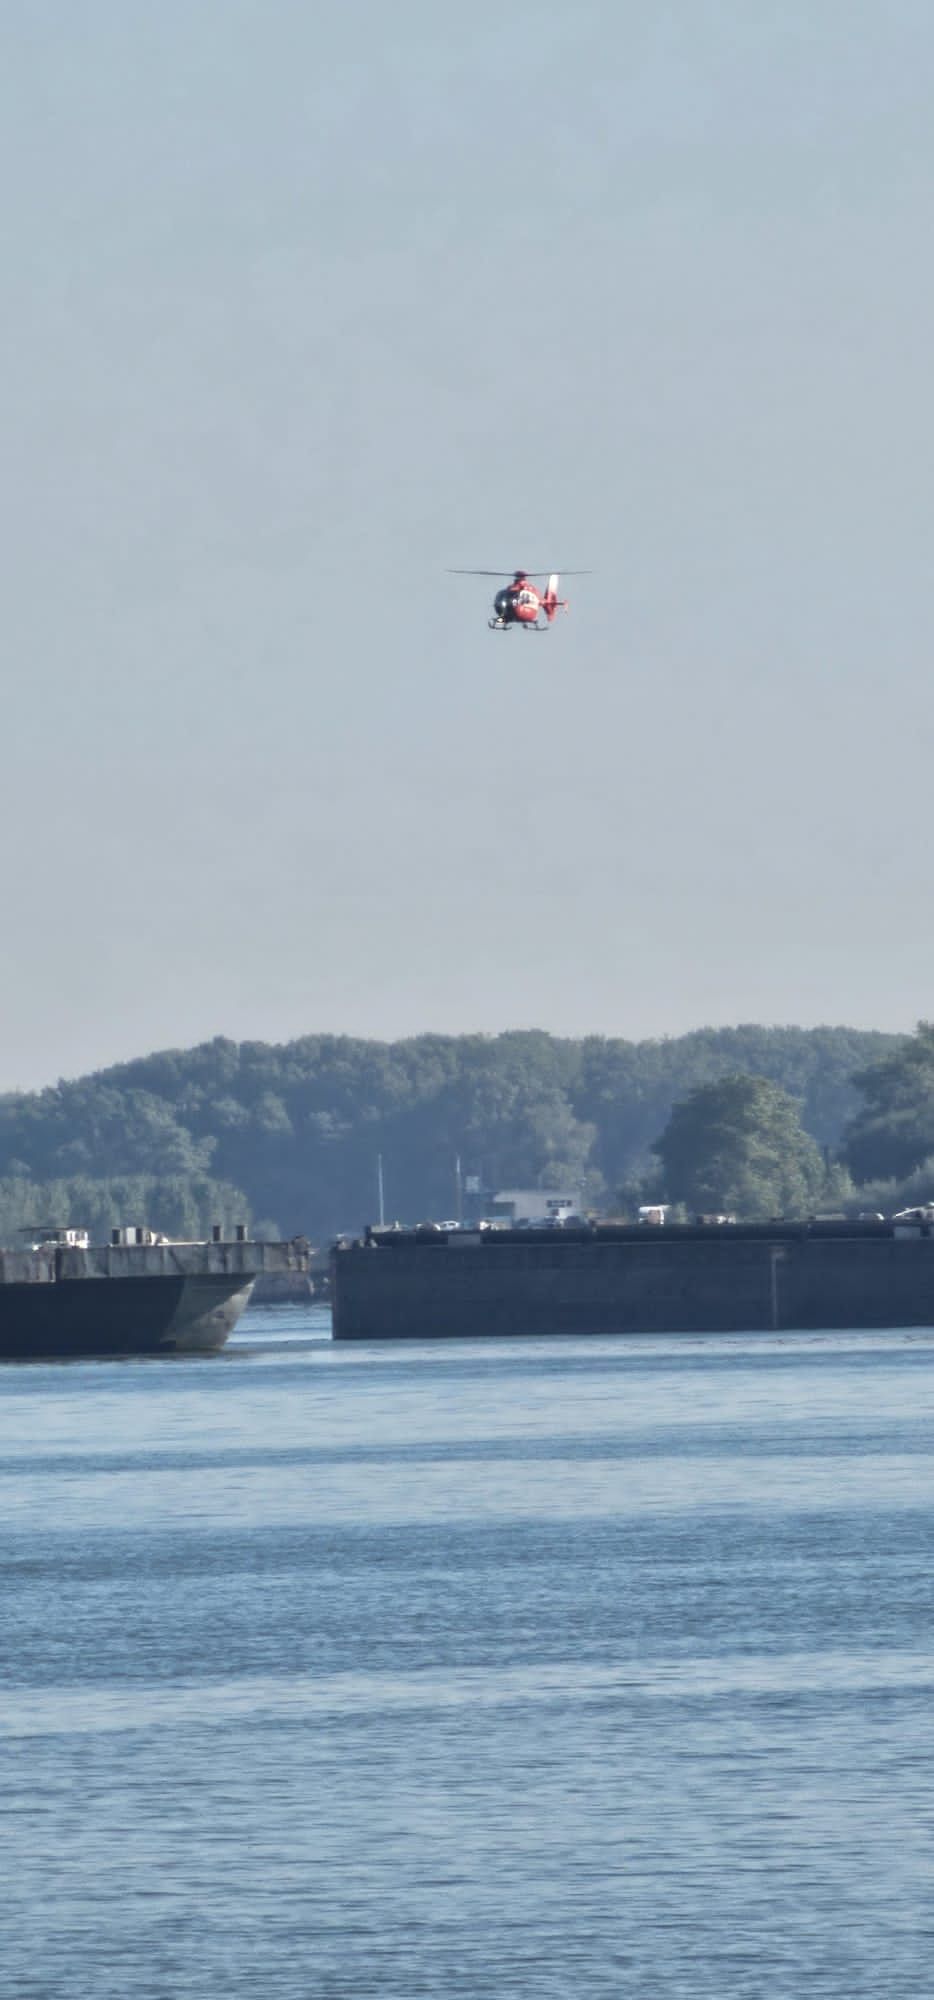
519, 604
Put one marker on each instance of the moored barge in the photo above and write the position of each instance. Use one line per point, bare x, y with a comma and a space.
609, 1278
64, 1298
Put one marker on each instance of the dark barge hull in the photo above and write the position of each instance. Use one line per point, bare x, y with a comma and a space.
71, 1304
767, 1278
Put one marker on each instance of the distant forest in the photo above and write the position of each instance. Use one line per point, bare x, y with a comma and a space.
287, 1137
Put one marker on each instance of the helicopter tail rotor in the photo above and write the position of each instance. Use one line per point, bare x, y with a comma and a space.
550, 599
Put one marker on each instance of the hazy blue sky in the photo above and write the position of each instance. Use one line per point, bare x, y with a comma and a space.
302, 304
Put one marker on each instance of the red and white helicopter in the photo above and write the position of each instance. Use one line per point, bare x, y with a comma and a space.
520, 602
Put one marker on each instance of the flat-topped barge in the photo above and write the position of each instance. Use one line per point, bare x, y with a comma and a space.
609, 1278
63, 1298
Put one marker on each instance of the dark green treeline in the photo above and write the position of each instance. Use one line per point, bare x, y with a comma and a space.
288, 1136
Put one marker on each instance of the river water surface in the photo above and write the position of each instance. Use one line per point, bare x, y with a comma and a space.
587, 1668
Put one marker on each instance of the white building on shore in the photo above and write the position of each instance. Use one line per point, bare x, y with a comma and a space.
534, 1205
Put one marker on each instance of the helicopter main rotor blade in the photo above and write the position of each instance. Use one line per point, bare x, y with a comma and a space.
526, 572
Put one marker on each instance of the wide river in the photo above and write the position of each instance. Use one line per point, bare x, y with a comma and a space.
575, 1669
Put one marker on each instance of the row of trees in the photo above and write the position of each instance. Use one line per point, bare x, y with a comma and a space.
180, 1205
741, 1146
753, 1120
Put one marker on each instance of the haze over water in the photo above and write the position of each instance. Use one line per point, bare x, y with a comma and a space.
592, 1667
